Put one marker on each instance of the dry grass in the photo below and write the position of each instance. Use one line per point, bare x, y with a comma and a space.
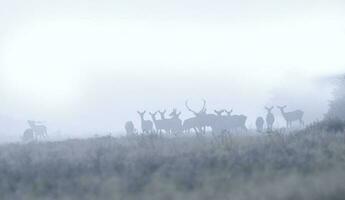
307, 164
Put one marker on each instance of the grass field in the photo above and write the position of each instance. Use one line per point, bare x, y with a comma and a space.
307, 164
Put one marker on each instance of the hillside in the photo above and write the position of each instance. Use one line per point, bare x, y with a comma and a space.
307, 164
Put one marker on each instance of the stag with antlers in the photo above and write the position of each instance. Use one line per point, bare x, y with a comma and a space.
198, 122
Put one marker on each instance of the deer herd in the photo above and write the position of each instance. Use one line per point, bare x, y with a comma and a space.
221, 121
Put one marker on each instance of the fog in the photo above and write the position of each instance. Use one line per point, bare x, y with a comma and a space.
88, 67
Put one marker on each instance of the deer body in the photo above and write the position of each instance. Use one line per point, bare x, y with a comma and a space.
175, 122
162, 124
269, 118
199, 122
235, 122
146, 125
220, 125
292, 116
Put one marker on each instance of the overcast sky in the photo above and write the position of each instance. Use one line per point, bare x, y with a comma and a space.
89, 65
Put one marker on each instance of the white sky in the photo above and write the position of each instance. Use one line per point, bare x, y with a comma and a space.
90, 66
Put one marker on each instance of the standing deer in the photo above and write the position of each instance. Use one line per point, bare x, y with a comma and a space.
236, 122
146, 125
269, 118
292, 116
162, 113
162, 124
259, 124
175, 121
197, 122
219, 125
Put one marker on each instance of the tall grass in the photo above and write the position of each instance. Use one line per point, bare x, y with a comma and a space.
307, 164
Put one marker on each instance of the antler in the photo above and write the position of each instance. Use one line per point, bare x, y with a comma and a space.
203, 109
186, 104
228, 111
282, 107
269, 108
153, 114
218, 111
203, 106
141, 113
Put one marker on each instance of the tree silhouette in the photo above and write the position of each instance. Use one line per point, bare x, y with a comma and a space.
337, 105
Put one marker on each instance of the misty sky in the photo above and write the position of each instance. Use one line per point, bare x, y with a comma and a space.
89, 65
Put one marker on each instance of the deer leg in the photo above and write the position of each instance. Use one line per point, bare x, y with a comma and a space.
301, 122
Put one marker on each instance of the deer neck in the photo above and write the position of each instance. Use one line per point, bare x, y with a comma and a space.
154, 119
283, 113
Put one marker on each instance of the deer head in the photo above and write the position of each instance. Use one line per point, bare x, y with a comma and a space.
141, 113
269, 109
162, 114
153, 115
281, 108
228, 112
219, 112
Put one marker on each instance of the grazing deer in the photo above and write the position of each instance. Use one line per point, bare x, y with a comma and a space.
39, 130
146, 125
259, 124
292, 116
175, 122
269, 118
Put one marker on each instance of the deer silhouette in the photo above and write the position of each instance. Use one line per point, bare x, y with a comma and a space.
259, 124
146, 125
220, 125
130, 129
175, 121
162, 124
292, 116
269, 118
162, 113
204, 120
198, 122
219, 112
236, 122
